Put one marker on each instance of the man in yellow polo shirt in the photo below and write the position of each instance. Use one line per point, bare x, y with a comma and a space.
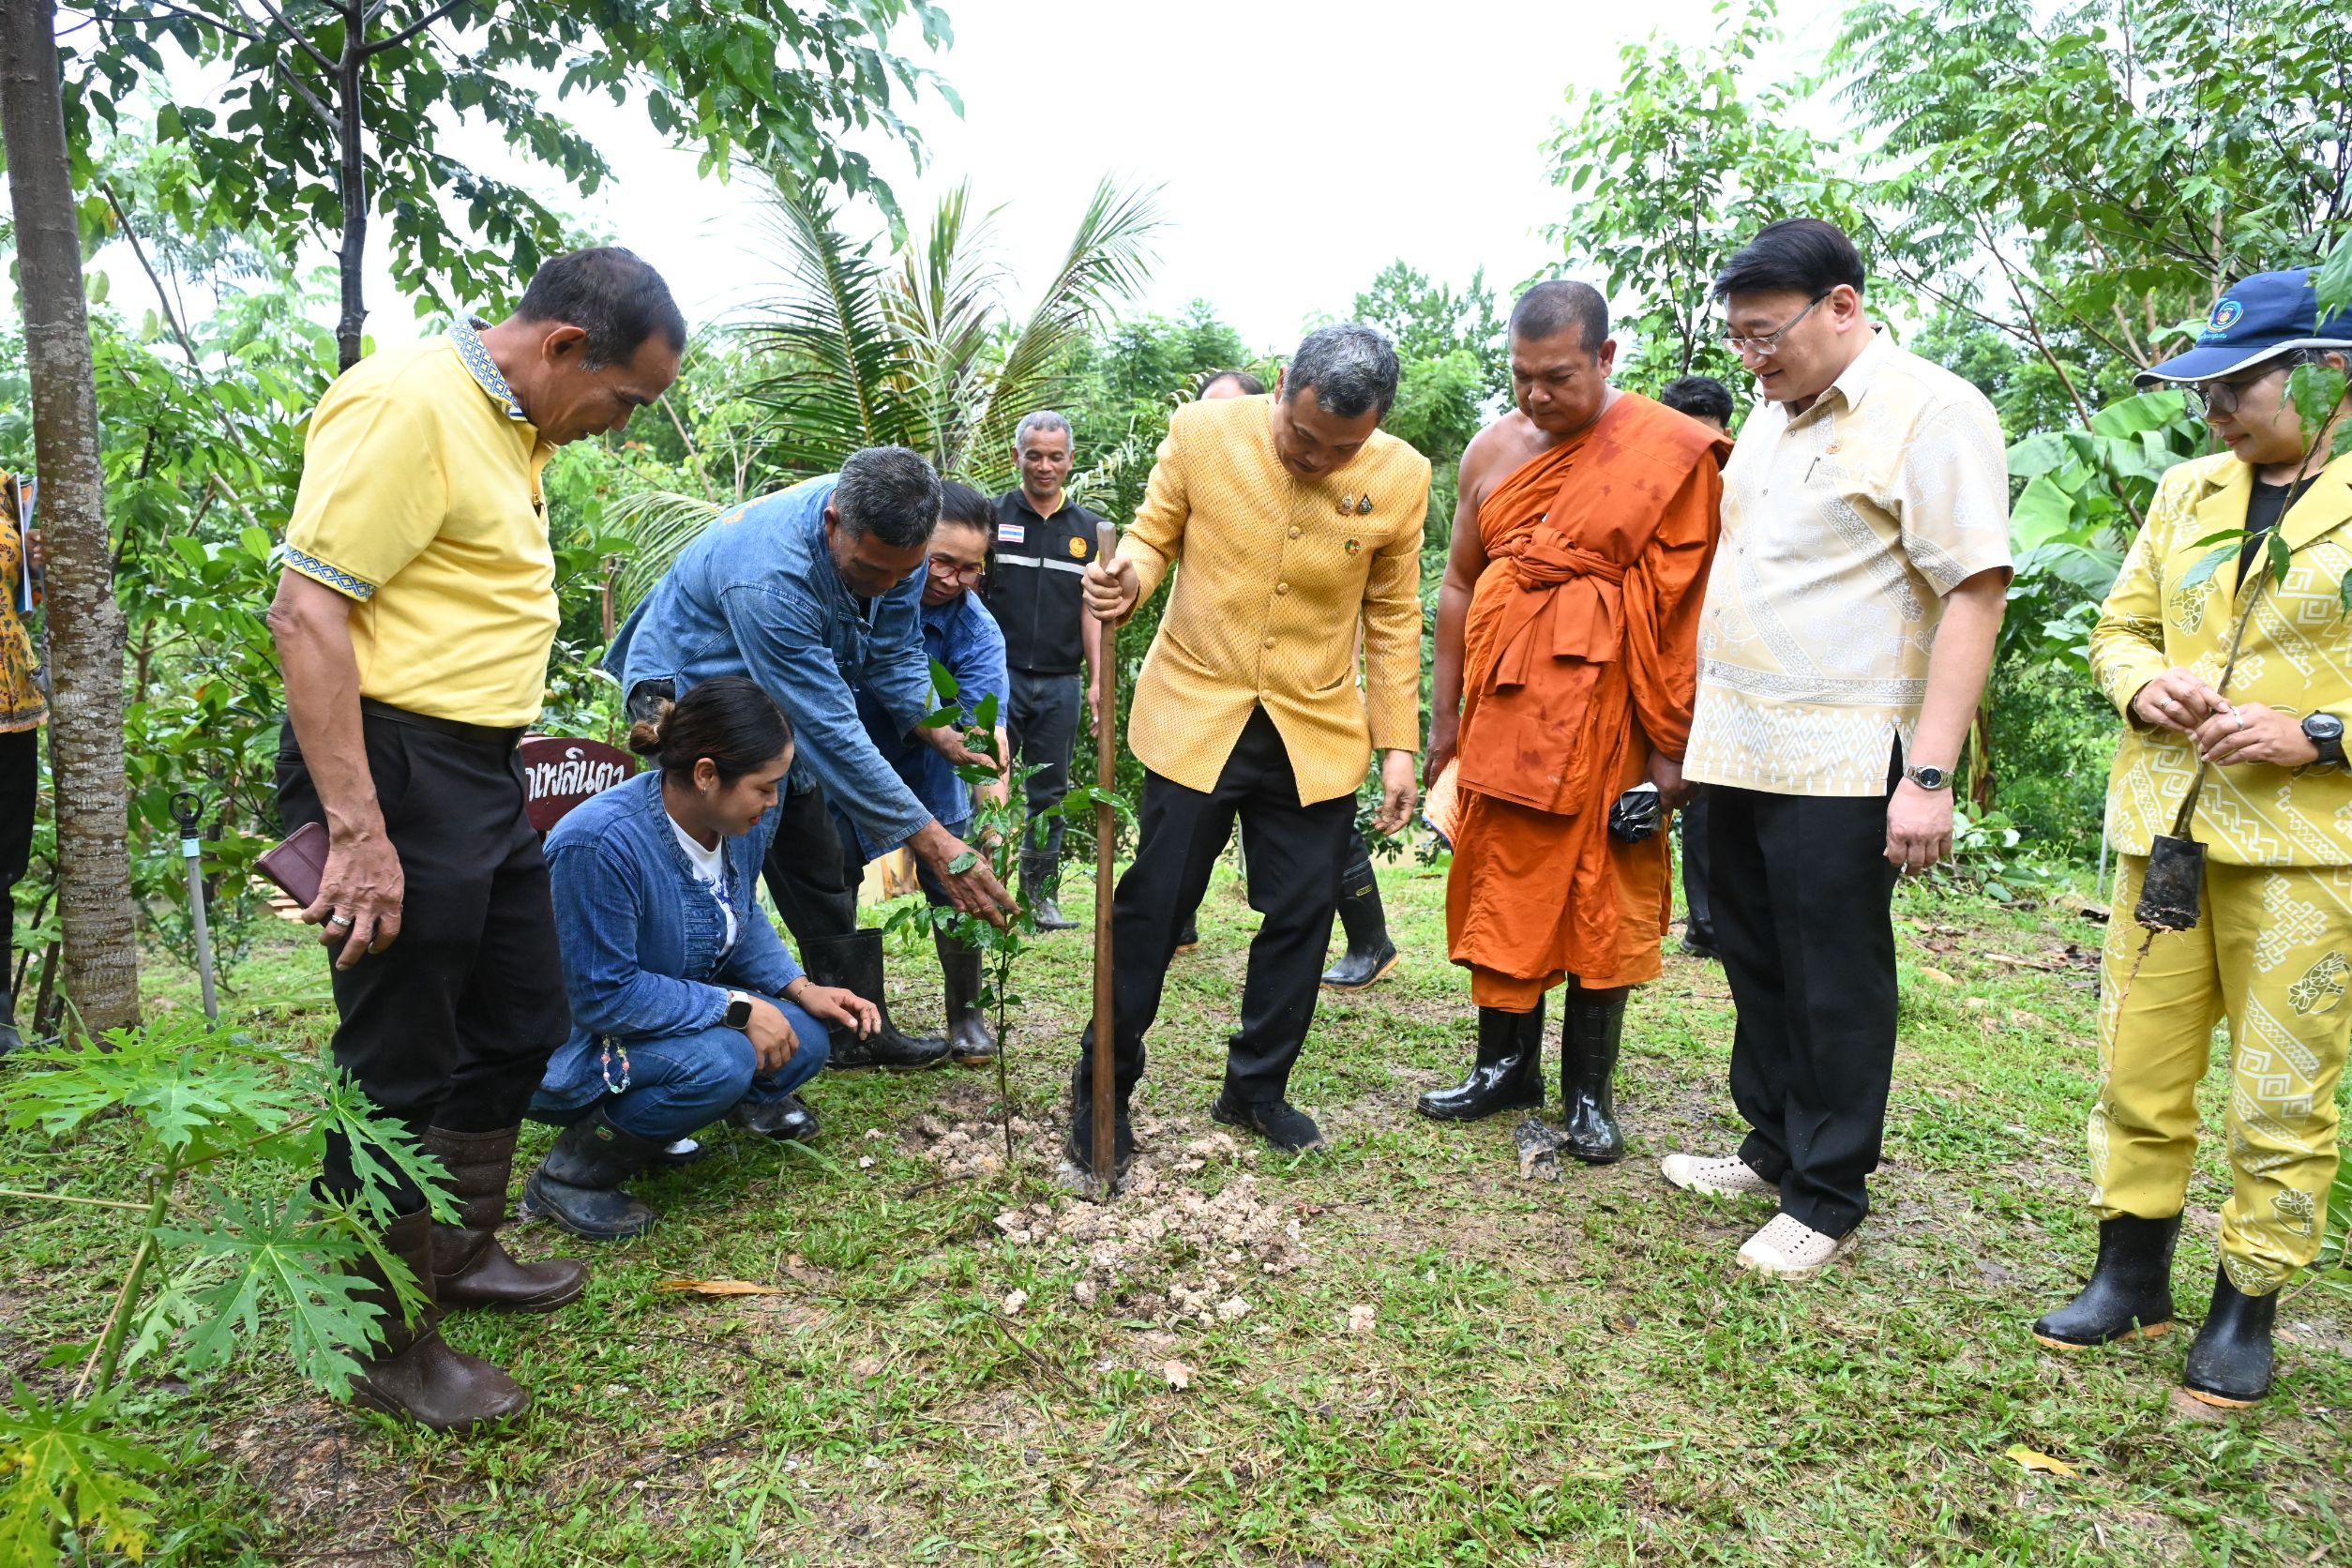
413, 621
1297, 518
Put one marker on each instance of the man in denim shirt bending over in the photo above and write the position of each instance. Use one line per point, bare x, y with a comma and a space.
815, 594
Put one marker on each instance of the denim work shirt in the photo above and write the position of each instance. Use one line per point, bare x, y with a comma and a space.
963, 636
757, 595
644, 943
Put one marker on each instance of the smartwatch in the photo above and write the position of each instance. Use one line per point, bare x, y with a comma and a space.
738, 1010
2326, 732
1928, 777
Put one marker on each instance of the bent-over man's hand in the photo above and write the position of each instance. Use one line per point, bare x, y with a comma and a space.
360, 898
948, 741
2178, 700
1674, 792
1919, 826
835, 1004
2251, 733
1111, 591
1398, 793
973, 890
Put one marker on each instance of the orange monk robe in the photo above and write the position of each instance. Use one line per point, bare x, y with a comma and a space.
1580, 653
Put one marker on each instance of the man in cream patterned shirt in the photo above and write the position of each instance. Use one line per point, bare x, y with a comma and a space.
1848, 629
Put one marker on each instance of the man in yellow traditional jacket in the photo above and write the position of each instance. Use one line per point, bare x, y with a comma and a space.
2251, 721
1296, 517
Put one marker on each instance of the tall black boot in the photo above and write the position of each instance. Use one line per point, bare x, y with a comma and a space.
2130, 1292
1589, 1036
854, 963
2229, 1360
1370, 954
578, 1185
969, 1040
1041, 878
416, 1375
1508, 1075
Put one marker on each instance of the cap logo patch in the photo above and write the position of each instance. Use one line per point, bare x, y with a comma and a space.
2225, 315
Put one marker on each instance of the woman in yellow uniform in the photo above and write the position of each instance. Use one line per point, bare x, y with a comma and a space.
23, 709
2273, 949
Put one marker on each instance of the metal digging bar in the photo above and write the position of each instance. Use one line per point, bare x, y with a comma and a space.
1105, 846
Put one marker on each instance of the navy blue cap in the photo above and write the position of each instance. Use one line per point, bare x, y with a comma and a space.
2260, 317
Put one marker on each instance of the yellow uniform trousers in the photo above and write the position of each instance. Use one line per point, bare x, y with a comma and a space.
2272, 953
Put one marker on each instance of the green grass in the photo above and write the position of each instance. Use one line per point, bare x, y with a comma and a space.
1557, 1373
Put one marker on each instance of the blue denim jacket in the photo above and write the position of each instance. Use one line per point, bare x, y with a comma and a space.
963, 636
644, 945
757, 595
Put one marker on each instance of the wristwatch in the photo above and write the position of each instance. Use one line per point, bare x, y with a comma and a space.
2325, 731
1928, 777
738, 1010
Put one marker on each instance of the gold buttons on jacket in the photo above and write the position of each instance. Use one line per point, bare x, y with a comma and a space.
1282, 587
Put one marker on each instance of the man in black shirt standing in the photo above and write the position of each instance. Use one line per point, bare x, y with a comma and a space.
1044, 541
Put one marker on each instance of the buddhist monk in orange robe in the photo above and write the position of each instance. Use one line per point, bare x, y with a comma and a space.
1567, 663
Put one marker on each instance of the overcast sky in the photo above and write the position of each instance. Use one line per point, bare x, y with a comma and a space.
1300, 144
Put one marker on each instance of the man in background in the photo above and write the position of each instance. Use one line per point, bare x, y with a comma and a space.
1709, 402
1044, 543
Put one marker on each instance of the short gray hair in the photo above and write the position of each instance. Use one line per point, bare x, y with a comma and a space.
1351, 366
889, 493
1044, 419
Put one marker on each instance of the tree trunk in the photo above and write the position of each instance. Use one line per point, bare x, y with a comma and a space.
351, 190
86, 625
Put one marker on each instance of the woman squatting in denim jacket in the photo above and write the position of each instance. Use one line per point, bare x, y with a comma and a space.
685, 1005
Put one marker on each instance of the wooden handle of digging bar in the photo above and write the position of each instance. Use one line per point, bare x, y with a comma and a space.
1106, 846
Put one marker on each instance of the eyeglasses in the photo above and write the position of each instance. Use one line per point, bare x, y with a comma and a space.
1765, 343
955, 570
2221, 396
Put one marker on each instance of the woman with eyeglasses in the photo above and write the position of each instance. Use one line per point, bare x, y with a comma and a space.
2234, 678
686, 1007
963, 638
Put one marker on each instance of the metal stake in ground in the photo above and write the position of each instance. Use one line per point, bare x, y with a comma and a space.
189, 809
1106, 846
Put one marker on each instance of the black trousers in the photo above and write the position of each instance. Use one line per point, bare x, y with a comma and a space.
1042, 722
1804, 922
19, 794
452, 1025
1699, 918
1354, 852
810, 873
1291, 849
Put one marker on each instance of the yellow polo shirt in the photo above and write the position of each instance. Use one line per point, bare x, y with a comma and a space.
420, 502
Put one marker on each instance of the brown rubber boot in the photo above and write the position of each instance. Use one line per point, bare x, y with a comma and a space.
469, 1266
416, 1376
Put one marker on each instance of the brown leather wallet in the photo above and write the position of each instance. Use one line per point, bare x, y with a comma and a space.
298, 864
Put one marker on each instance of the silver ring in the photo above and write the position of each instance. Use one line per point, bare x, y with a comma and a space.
338, 918
2240, 718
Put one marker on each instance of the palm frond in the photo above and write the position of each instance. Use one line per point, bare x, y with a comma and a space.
945, 303
659, 523
1108, 260
841, 377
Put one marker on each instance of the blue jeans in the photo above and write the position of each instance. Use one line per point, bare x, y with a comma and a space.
680, 1083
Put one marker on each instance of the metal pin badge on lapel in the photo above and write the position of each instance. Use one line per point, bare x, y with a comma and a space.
1363, 508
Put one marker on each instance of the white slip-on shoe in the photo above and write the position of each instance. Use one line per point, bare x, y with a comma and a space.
1790, 1249
1723, 1176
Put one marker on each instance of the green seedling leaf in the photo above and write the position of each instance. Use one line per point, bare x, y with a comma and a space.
65, 1472
963, 863
283, 1256
2343, 594
2202, 573
944, 682
983, 717
2281, 557
381, 1150
2315, 390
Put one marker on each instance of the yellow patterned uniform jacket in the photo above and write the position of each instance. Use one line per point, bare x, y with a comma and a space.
2297, 657
1277, 573
21, 704
2272, 952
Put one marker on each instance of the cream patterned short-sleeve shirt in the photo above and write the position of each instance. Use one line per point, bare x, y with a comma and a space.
1843, 529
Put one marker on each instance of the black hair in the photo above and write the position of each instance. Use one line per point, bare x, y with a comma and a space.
612, 297
1701, 397
960, 503
890, 492
729, 720
1351, 369
1799, 255
1251, 387
1551, 308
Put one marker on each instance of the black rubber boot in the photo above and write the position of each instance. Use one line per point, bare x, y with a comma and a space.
1370, 954
2229, 1360
1041, 878
2130, 1292
1080, 1147
788, 1118
969, 1040
1507, 1076
854, 963
578, 1186
1590, 1032
469, 1266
